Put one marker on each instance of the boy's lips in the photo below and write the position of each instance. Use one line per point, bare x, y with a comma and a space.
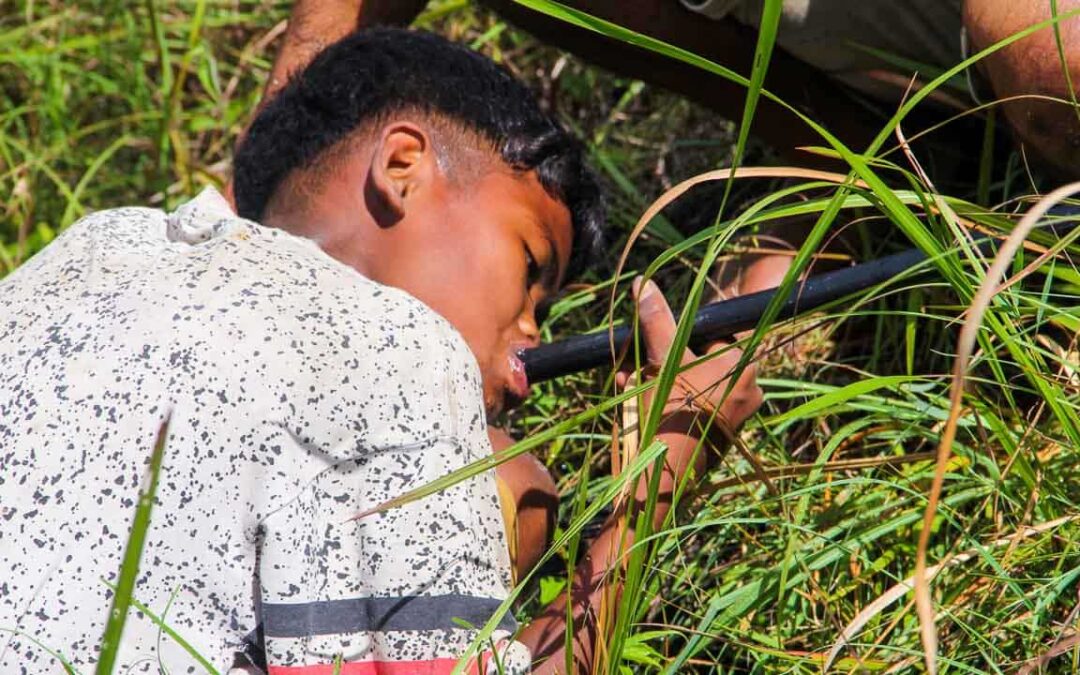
518, 382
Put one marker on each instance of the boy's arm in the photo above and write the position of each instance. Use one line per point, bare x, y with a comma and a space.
529, 500
593, 594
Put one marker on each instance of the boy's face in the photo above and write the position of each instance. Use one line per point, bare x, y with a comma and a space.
483, 254
482, 250
501, 247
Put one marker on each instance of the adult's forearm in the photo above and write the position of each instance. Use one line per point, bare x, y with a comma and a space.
316, 24
390, 12
313, 25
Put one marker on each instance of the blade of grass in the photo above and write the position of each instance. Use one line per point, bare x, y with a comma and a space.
767, 28
643, 461
166, 629
64, 663
904, 587
1066, 71
129, 568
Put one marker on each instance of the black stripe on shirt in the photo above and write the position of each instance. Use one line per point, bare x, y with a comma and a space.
371, 614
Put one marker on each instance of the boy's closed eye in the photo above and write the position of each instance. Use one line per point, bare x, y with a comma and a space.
541, 277
532, 269
543, 265
543, 309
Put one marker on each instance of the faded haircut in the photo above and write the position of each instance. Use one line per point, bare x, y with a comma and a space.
375, 73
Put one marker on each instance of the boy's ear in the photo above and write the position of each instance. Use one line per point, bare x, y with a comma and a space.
403, 161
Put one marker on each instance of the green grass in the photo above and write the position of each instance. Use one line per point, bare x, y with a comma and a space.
128, 573
122, 103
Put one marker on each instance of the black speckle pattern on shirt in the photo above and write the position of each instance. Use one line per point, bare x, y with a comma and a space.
300, 394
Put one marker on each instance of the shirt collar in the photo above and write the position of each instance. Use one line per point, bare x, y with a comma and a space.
206, 216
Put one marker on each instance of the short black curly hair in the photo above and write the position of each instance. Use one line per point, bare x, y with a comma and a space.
380, 71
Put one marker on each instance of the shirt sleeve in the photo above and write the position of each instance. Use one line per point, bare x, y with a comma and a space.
401, 591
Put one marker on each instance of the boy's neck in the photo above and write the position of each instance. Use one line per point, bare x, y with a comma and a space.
335, 215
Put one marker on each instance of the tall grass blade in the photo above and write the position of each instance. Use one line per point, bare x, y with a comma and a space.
1065, 69
770, 22
166, 629
129, 568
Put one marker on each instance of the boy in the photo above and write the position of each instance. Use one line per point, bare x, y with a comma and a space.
404, 205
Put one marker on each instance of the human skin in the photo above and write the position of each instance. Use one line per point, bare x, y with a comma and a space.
1032, 66
687, 459
314, 25
1049, 131
533, 502
483, 248
483, 252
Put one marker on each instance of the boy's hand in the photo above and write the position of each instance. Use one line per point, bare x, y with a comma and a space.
700, 388
592, 586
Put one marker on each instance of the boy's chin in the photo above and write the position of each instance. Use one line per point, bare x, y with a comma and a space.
493, 405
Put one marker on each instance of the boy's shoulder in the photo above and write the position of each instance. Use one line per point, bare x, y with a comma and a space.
363, 358
203, 254
241, 297
299, 298
223, 312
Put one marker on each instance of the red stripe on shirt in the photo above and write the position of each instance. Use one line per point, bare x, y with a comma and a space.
429, 667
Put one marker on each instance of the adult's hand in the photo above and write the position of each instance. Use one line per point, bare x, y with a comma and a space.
316, 24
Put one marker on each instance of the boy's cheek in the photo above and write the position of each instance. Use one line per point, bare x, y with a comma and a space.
497, 284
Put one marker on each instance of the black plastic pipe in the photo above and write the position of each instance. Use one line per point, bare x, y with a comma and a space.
722, 319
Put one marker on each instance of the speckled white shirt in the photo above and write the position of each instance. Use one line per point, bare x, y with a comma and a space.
300, 394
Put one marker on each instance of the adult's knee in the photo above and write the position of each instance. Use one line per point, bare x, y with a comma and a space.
1032, 68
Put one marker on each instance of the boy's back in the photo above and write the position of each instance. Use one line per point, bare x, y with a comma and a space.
299, 393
